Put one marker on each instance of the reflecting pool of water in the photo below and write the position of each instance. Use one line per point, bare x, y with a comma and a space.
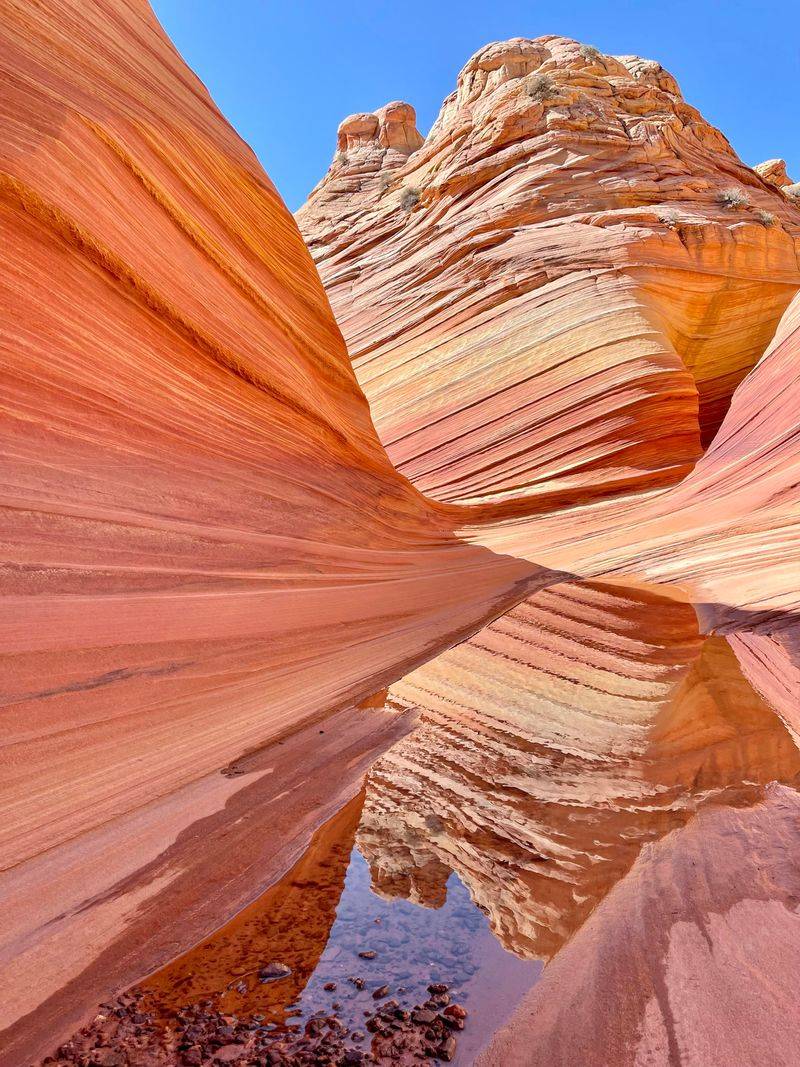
339, 942
589, 777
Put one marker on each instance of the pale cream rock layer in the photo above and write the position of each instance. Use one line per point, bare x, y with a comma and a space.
774, 172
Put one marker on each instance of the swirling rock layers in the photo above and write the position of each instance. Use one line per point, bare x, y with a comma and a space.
552, 746
556, 295
205, 546
193, 492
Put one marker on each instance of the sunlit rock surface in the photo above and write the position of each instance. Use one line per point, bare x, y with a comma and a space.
193, 491
554, 298
369, 147
603, 779
561, 312
552, 303
211, 565
774, 172
205, 546
727, 538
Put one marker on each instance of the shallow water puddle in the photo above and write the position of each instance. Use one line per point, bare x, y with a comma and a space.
415, 946
549, 751
341, 942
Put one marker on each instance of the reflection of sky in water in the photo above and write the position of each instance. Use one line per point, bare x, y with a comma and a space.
414, 946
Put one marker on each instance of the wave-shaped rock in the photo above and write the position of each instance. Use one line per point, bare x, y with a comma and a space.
193, 491
561, 312
210, 560
727, 537
205, 546
555, 296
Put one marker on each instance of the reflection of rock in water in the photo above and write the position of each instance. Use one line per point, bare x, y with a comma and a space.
288, 924
422, 881
553, 745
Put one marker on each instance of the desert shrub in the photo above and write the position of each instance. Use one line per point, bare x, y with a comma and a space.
540, 87
733, 197
589, 53
409, 198
669, 216
341, 157
766, 218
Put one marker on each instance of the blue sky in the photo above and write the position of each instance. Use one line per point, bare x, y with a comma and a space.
286, 73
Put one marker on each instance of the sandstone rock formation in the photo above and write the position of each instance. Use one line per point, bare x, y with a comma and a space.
550, 307
554, 298
205, 546
727, 537
690, 959
191, 467
774, 172
369, 147
211, 564
563, 314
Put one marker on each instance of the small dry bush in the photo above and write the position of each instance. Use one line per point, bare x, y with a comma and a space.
733, 197
540, 87
409, 198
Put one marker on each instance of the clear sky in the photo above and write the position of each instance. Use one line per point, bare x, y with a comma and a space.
286, 72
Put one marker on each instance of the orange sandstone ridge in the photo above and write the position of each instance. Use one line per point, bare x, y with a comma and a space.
205, 545
559, 316
212, 560
198, 511
557, 293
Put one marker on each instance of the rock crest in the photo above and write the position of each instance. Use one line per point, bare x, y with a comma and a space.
563, 191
